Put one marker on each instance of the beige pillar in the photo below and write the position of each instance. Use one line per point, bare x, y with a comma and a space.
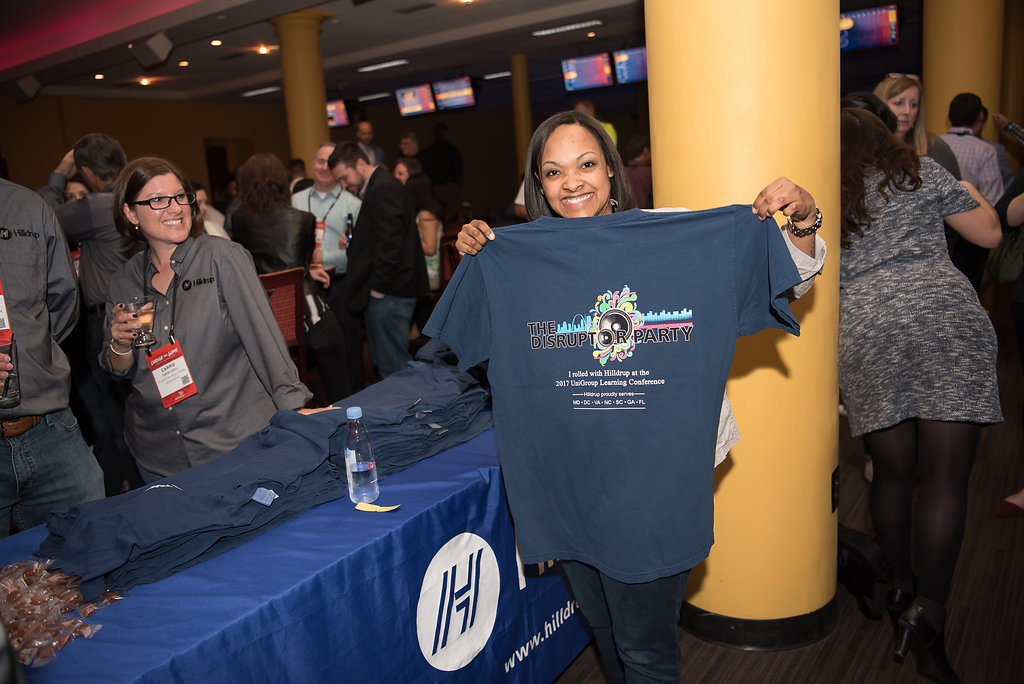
1012, 104
521, 113
741, 93
302, 78
962, 52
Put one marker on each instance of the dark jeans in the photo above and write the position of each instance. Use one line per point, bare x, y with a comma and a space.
106, 412
351, 329
635, 626
43, 469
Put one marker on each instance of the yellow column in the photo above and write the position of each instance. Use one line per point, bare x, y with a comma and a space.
302, 78
742, 92
521, 113
962, 52
1013, 75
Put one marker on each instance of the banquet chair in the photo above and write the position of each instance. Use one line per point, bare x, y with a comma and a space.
285, 292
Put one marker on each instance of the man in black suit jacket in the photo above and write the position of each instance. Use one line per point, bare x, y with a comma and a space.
386, 271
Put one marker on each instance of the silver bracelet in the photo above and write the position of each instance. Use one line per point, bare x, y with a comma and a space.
809, 230
127, 353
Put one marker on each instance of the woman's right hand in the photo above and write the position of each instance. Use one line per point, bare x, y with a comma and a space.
124, 327
473, 236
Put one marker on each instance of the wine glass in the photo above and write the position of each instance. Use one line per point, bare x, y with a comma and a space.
145, 307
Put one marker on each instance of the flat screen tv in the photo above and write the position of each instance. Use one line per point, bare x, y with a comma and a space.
337, 115
415, 100
868, 28
454, 93
630, 65
592, 71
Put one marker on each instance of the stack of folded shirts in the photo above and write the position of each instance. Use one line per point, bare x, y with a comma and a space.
151, 532
417, 412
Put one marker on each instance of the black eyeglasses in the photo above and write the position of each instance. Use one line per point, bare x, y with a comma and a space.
164, 201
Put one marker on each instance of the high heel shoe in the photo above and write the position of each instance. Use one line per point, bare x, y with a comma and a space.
896, 602
929, 645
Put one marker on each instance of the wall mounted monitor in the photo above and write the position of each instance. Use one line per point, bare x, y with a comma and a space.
337, 115
454, 93
592, 71
415, 100
867, 28
630, 65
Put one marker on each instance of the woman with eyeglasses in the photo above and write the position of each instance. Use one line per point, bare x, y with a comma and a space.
219, 368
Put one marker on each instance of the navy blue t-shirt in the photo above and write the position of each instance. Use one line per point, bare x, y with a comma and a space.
610, 340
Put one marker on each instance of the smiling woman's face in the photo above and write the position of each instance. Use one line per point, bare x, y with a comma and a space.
574, 174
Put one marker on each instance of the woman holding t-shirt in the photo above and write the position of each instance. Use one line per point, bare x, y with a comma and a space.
576, 172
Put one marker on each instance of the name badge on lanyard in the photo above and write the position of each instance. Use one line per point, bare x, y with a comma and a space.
5, 323
173, 379
318, 235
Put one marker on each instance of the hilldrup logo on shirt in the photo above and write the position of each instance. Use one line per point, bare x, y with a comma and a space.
458, 602
613, 328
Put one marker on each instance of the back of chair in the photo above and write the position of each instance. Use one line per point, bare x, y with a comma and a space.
449, 259
285, 292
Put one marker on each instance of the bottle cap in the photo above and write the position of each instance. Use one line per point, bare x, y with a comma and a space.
353, 412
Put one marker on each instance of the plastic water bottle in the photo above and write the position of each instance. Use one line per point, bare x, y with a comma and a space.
359, 461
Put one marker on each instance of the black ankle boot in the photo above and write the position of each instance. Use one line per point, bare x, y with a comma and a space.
928, 642
896, 602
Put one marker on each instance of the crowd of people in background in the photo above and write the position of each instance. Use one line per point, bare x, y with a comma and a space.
920, 213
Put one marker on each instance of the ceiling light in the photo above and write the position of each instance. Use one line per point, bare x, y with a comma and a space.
591, 34
215, 43
183, 63
263, 50
261, 91
98, 77
466, 2
497, 74
568, 27
383, 65
375, 96
144, 81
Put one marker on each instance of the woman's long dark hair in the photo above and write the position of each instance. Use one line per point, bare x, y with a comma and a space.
536, 204
263, 185
869, 148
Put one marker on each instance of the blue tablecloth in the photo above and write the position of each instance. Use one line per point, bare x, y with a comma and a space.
430, 592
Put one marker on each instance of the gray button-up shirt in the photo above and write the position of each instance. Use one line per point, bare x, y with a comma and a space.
90, 220
41, 297
233, 348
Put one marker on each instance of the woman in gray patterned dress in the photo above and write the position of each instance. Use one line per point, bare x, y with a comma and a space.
917, 364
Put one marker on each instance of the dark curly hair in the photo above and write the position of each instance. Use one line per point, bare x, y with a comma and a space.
869, 148
263, 185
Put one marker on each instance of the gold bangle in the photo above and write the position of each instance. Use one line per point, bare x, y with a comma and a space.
127, 353
316, 265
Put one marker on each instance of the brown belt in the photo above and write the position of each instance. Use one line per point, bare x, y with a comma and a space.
13, 428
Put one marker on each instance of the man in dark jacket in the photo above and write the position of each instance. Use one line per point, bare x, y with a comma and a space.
386, 270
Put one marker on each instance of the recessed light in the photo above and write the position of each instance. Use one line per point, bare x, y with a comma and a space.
144, 81
567, 27
183, 63
261, 91
263, 50
98, 77
591, 34
216, 43
382, 65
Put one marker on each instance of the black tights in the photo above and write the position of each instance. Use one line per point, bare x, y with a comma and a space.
943, 454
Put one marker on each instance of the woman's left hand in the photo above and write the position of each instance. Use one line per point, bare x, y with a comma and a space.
786, 196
